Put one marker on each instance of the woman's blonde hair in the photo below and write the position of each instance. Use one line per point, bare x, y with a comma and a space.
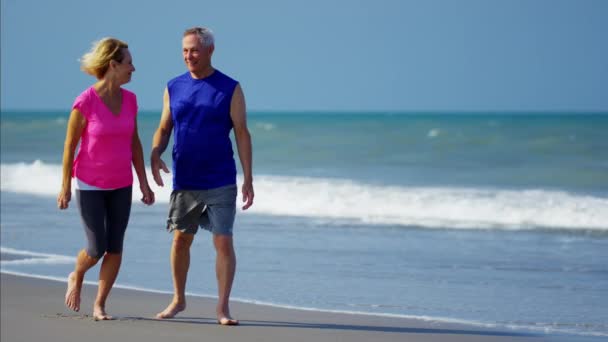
97, 61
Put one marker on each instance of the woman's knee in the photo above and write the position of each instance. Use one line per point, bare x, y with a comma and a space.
114, 244
96, 252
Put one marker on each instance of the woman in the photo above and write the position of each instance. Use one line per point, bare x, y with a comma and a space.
103, 119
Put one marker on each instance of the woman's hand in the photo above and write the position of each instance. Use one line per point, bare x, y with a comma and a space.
147, 194
64, 198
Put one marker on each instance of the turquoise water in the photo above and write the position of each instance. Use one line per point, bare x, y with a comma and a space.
560, 151
497, 219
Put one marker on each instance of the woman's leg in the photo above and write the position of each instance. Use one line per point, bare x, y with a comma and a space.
107, 275
75, 279
92, 212
118, 203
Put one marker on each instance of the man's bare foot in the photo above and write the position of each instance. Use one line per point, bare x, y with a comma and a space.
227, 320
171, 310
72, 295
99, 314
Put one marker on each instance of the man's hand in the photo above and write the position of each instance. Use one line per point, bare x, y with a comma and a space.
247, 191
157, 164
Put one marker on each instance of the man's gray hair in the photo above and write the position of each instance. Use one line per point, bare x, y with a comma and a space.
204, 34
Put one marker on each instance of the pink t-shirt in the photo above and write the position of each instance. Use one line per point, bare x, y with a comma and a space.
104, 157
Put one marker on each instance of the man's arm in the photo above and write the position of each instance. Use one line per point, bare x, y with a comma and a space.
238, 114
161, 140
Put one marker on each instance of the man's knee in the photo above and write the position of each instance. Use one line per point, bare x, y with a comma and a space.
223, 244
182, 240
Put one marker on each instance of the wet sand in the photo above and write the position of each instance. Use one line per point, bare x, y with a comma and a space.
33, 310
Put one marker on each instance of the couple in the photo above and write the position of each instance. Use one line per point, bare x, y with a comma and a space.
201, 106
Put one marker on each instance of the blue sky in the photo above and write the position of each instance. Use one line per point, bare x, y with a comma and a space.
427, 55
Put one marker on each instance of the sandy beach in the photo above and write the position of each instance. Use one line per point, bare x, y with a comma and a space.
33, 310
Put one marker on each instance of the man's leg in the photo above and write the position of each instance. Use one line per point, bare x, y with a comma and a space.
180, 262
225, 267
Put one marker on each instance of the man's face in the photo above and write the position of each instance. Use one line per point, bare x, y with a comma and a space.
196, 56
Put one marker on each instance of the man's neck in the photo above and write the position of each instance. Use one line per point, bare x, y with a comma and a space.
203, 73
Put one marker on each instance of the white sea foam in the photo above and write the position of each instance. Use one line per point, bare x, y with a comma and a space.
265, 126
433, 133
34, 124
34, 258
431, 207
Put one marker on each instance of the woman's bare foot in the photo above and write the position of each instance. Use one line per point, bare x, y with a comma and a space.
171, 310
72, 295
223, 316
227, 320
99, 314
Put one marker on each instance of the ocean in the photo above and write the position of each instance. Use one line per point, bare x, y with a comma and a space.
491, 219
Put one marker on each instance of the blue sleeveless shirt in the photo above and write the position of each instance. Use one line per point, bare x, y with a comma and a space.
202, 150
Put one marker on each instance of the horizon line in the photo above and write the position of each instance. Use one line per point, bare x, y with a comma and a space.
371, 111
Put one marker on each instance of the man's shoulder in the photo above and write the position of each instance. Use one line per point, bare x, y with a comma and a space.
225, 77
180, 78
224, 82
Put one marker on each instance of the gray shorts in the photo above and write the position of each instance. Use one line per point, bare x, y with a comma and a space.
213, 210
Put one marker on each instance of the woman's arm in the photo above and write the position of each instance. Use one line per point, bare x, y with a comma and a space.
76, 125
140, 168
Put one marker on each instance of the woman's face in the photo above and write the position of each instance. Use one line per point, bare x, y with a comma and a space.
125, 69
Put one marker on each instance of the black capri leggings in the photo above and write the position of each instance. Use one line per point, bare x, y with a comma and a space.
105, 215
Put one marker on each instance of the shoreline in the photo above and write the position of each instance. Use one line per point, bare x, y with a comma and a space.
33, 309
436, 320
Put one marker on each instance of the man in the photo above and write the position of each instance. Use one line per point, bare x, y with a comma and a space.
201, 106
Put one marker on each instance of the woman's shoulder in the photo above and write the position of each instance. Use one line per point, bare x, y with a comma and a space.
130, 99
129, 94
84, 99
87, 93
